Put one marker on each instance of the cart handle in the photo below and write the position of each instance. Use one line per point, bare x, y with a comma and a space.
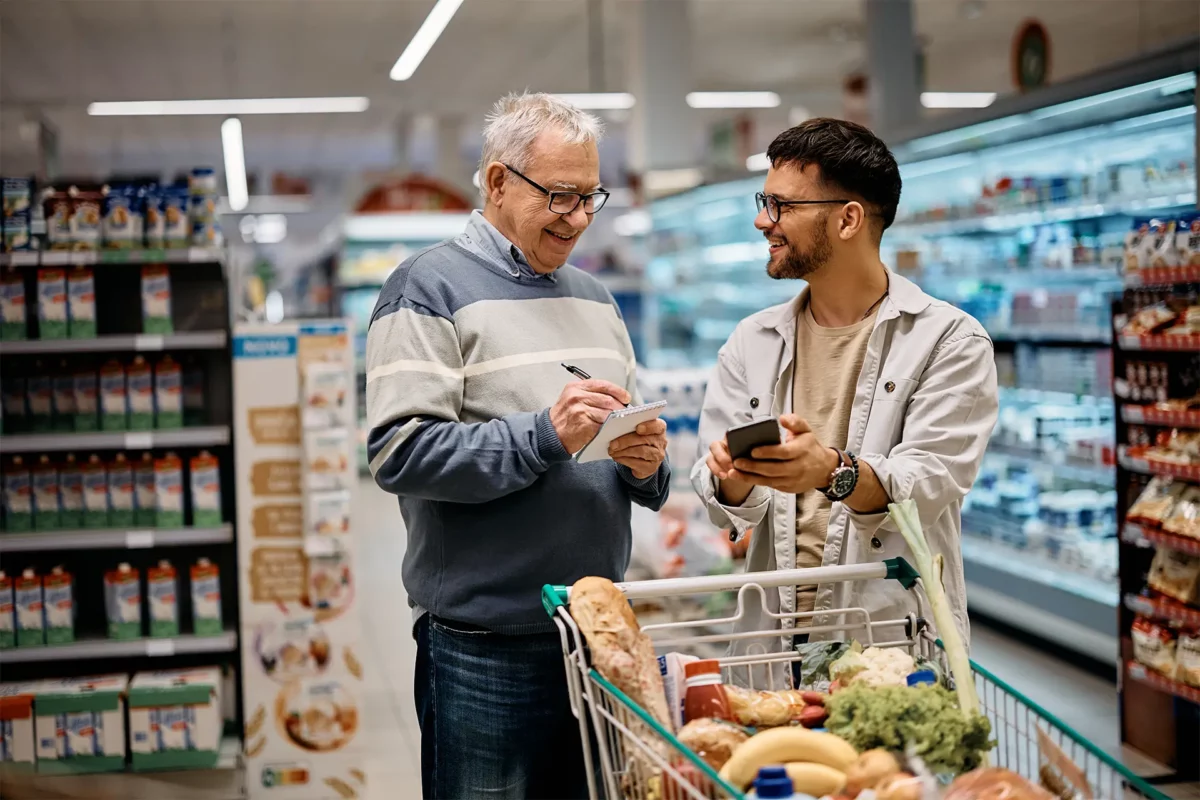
897, 569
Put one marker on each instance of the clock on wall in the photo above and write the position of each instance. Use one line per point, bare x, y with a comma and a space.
1031, 56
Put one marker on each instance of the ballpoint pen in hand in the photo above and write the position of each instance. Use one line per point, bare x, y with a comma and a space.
583, 376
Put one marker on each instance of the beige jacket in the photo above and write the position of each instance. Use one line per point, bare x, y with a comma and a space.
924, 407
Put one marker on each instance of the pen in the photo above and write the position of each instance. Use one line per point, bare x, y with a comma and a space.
583, 376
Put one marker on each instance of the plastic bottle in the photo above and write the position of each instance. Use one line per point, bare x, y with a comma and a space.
704, 696
773, 782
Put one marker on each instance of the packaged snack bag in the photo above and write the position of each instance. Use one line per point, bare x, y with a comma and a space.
1153, 645
1187, 241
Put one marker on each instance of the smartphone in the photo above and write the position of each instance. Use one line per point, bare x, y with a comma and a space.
742, 439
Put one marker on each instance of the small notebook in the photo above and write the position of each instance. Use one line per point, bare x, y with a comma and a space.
618, 424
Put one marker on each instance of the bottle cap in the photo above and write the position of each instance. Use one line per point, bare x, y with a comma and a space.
773, 782
922, 677
708, 666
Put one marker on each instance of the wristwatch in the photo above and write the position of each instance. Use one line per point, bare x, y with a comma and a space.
844, 479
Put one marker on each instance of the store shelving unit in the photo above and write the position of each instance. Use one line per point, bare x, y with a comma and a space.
199, 436
95, 649
113, 538
120, 343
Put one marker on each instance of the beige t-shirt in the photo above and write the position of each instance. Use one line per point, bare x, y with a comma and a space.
828, 361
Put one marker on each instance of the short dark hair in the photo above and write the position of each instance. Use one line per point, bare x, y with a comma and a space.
849, 156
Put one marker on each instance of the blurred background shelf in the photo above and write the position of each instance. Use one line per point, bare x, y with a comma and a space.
101, 538
87, 649
203, 436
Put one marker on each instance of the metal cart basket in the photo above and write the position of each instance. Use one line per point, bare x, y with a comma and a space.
633, 756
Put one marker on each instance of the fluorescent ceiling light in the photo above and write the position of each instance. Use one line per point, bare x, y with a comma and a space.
400, 227
235, 163
599, 101
758, 162
423, 40
226, 108
957, 99
732, 99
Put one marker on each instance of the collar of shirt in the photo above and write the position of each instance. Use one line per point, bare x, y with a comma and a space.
496, 247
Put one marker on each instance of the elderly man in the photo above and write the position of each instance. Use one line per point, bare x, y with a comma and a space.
473, 422
884, 393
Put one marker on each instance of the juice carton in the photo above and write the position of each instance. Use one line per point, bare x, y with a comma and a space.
62, 387
114, 403
12, 307
120, 492
46, 510
123, 602
87, 400
81, 299
70, 492
206, 490
8, 613
95, 493
206, 598
168, 393
31, 618
52, 304
168, 491
60, 607
162, 588
139, 381
40, 397
16, 409
156, 299
18, 496
193, 394
144, 491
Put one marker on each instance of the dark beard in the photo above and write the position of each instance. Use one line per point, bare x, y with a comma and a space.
797, 265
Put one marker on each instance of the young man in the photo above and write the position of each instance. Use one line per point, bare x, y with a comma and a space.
473, 423
884, 393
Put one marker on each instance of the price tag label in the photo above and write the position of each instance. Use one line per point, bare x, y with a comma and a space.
148, 341
160, 647
139, 540
142, 440
24, 259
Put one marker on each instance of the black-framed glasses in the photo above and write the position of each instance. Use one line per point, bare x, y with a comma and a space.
773, 204
566, 202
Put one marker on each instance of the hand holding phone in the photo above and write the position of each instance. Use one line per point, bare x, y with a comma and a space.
742, 439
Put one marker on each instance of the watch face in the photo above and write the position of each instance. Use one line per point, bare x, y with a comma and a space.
843, 482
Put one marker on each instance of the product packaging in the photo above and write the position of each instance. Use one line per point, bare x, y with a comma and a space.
205, 481
81, 293
62, 388
120, 492
671, 668
31, 617
13, 323
122, 225
193, 394
16, 409
17, 743
1160, 248
1176, 575
87, 400
15, 225
123, 602
145, 494
139, 380
114, 402
153, 224
206, 598
95, 493
1154, 645
162, 589
60, 607
40, 397
18, 496
52, 304
177, 232
56, 208
326, 386
168, 393
175, 719
47, 514
8, 613
1187, 241
79, 725
328, 513
156, 299
86, 219
70, 493
327, 459
1187, 657
168, 491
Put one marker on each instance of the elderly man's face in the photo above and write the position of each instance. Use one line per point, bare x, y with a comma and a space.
547, 238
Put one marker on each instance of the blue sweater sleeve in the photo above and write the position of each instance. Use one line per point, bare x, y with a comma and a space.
651, 492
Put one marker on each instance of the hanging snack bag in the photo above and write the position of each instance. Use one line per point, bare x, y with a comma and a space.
139, 379
1187, 241
95, 493
63, 398
18, 496
12, 307
40, 393
1176, 575
59, 597
162, 589
1162, 250
31, 617
156, 299
120, 492
206, 598
144, 492
1133, 244
70, 493
46, 512
87, 400
206, 490
1153, 645
8, 613
52, 304
81, 298
168, 393
168, 491
123, 602
114, 398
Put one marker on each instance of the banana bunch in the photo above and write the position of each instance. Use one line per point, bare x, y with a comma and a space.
816, 762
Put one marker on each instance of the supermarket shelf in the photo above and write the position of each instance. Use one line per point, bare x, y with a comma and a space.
137, 342
1142, 674
1135, 460
1162, 276
1052, 334
1071, 469
113, 648
64, 258
1146, 536
1022, 563
1161, 342
208, 436
1149, 415
1162, 609
96, 539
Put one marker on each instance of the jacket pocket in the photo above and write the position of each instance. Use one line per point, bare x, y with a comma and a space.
895, 390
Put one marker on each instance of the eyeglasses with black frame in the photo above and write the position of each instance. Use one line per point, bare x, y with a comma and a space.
773, 204
566, 202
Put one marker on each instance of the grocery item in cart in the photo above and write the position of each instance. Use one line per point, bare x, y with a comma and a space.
874, 666
993, 783
81, 303
13, 322
123, 602
59, 599
713, 740
8, 613
704, 697
793, 746
769, 709
1176, 575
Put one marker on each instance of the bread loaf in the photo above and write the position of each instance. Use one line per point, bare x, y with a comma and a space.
620, 651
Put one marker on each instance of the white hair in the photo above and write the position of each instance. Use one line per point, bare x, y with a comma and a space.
518, 118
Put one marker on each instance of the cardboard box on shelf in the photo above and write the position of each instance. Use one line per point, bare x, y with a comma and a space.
79, 724
175, 719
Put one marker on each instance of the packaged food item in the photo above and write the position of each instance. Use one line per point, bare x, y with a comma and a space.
1176, 575
145, 494
154, 225
326, 387
206, 490
1133, 244
1161, 249
327, 459
162, 587
18, 496
86, 723
63, 397
8, 613
87, 400
40, 398
156, 299
670, 667
193, 394
85, 219
329, 513
139, 381
713, 740
168, 491
120, 492
202, 207
46, 511
1187, 657
206, 598
122, 226
15, 222
1187, 241
60, 607
95, 493
81, 299
31, 622
168, 393
70, 492
1184, 517
705, 696
175, 714
177, 231
13, 323
1153, 645
1150, 320
123, 602
114, 402
58, 209
17, 741
16, 409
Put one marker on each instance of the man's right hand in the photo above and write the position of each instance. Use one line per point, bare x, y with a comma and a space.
582, 408
730, 490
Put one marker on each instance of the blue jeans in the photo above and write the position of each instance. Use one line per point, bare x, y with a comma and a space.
495, 718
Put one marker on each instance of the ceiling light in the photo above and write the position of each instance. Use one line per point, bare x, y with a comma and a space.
758, 162
732, 99
599, 101
235, 163
662, 181
236, 107
957, 99
423, 40
420, 226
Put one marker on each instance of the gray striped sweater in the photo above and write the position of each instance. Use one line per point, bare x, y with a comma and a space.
463, 363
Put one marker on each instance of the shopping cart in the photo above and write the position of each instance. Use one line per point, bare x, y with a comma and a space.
635, 757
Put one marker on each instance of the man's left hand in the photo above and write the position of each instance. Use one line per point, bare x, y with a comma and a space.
798, 465
642, 451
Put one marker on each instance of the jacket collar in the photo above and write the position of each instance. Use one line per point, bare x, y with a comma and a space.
489, 242
904, 297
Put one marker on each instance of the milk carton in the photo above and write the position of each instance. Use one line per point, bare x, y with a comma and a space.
87, 400
81, 301
46, 511
79, 724
12, 306
114, 402
168, 491
52, 304
18, 496
17, 744
168, 394
175, 719
8, 613
123, 602
59, 601
144, 494
206, 598
139, 382
120, 492
70, 492
31, 618
162, 589
206, 490
39, 392
156, 300
62, 387
95, 493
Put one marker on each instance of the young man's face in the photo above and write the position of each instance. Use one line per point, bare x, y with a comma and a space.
799, 241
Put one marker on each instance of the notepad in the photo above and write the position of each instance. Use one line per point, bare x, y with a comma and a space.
618, 424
